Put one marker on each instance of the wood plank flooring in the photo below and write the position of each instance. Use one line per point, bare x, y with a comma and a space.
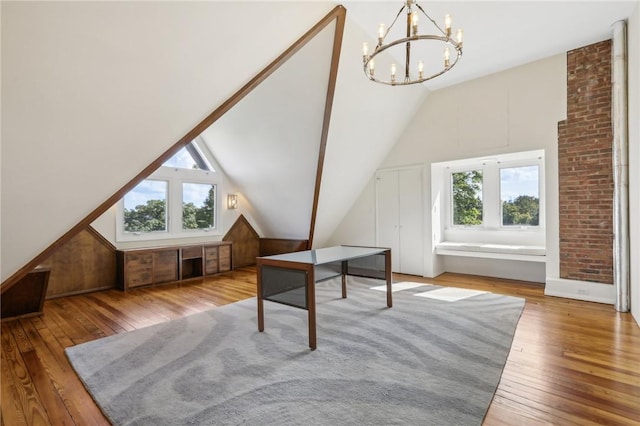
571, 362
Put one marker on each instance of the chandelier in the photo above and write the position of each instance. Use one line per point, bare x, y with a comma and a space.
424, 46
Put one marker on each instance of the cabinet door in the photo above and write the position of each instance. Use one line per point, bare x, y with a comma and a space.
224, 252
165, 266
138, 269
411, 217
399, 218
211, 260
388, 215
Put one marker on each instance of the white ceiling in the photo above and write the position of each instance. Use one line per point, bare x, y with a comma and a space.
141, 85
503, 34
268, 143
368, 118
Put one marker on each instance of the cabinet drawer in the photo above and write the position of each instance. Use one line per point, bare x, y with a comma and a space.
157, 265
211, 260
165, 266
138, 269
192, 252
224, 258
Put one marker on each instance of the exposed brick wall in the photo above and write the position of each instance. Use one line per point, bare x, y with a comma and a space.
585, 167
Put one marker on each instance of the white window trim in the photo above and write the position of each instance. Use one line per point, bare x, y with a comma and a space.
491, 231
176, 177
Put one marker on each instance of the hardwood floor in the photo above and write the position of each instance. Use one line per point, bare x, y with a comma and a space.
571, 362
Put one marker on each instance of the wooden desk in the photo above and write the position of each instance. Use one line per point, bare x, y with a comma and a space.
290, 278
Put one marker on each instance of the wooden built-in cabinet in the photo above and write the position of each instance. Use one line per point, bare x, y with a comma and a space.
148, 266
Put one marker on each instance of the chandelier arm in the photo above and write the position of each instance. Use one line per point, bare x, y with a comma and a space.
430, 18
415, 38
395, 19
442, 38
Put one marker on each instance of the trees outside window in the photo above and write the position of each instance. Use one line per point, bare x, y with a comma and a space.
198, 205
466, 188
145, 207
519, 195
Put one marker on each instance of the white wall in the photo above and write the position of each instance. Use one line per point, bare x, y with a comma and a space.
511, 111
366, 121
95, 91
633, 38
268, 143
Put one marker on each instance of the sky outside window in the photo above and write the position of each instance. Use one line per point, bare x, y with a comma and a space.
517, 181
145, 191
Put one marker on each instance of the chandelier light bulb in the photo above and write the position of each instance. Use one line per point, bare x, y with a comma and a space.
447, 24
420, 69
381, 33
446, 57
372, 68
459, 34
365, 49
414, 23
393, 73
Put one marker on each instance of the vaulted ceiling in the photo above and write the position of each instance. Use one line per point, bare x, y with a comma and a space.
95, 92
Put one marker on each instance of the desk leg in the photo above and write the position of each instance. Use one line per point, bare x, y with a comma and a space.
311, 308
345, 267
387, 273
260, 301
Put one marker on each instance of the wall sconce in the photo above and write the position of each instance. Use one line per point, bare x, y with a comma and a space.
232, 201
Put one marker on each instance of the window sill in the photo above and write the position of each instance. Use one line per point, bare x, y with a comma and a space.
526, 253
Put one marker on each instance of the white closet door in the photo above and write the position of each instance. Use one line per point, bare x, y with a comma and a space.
388, 214
399, 202
411, 231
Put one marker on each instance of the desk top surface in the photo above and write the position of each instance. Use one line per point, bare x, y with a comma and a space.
327, 255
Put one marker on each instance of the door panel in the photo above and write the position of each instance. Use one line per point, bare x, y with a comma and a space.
399, 204
411, 231
387, 219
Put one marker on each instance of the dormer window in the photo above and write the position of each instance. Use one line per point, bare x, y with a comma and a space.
178, 200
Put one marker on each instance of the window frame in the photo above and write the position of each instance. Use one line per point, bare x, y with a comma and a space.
492, 231
176, 177
215, 207
166, 211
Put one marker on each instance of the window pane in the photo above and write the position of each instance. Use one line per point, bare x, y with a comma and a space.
189, 157
467, 197
145, 207
520, 196
198, 206
182, 160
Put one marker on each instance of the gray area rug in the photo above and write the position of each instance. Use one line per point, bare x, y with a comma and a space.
426, 361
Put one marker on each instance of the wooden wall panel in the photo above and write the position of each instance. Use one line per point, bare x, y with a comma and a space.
271, 246
27, 298
85, 263
245, 242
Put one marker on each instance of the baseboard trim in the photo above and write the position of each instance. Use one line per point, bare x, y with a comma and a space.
580, 290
